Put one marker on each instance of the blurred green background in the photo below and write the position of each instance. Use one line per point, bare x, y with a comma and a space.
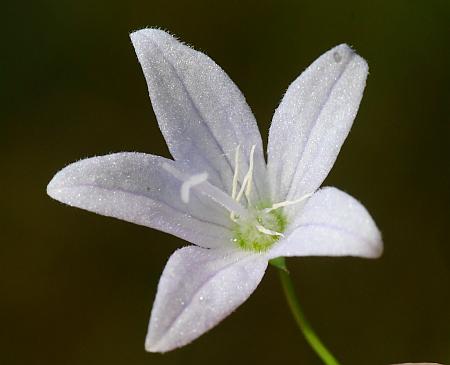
77, 288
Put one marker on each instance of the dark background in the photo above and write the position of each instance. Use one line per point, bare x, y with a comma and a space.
77, 288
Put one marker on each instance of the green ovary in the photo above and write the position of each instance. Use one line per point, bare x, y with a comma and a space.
249, 238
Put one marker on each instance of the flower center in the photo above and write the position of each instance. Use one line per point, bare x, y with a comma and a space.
256, 227
260, 230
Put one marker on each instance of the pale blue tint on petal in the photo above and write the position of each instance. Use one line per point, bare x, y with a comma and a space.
332, 223
199, 288
312, 122
134, 187
202, 114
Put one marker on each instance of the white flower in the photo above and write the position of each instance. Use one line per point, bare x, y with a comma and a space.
218, 192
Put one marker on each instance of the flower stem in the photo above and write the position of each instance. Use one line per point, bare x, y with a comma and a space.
294, 305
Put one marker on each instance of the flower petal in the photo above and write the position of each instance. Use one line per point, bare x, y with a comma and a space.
202, 114
332, 223
312, 122
134, 187
198, 289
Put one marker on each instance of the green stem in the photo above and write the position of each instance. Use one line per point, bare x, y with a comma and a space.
310, 336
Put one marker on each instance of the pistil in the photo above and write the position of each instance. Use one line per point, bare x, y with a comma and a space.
200, 184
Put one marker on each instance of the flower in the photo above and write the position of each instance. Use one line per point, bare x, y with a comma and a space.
218, 193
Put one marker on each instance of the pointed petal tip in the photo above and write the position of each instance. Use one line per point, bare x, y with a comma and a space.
374, 252
150, 346
147, 34
50, 188
156, 344
344, 47
377, 245
54, 187
141, 32
61, 183
378, 249
343, 52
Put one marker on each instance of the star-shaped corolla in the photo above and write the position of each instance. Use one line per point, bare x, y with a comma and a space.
218, 192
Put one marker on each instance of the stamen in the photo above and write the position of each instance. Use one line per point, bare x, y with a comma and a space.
190, 183
236, 171
248, 189
287, 203
198, 182
268, 231
247, 178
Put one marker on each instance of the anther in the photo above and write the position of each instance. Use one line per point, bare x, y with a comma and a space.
287, 203
248, 188
236, 171
246, 183
269, 232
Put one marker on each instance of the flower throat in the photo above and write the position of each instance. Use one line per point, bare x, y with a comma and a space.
255, 227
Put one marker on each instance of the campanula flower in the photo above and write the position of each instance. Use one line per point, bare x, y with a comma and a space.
218, 192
